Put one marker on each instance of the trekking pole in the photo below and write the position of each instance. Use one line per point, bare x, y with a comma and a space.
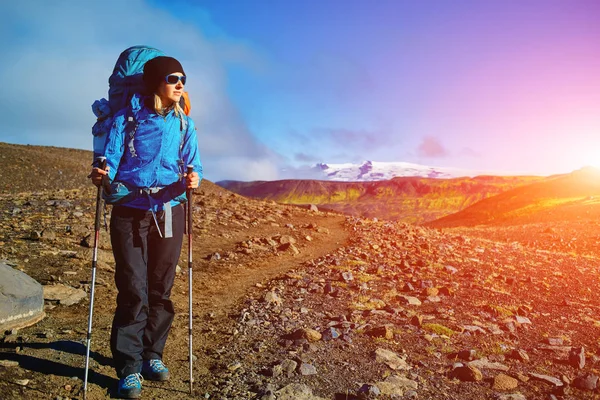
190, 169
102, 165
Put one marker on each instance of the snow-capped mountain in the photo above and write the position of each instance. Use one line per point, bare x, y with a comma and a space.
378, 171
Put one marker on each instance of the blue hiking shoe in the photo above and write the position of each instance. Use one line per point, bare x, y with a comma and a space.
130, 387
155, 370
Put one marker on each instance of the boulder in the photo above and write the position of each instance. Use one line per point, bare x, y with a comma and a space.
63, 294
21, 299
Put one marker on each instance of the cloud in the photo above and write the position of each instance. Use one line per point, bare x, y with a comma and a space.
301, 172
364, 140
57, 57
245, 169
431, 147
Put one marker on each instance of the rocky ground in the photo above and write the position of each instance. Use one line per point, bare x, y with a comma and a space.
296, 304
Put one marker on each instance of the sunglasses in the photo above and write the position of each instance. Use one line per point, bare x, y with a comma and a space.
174, 79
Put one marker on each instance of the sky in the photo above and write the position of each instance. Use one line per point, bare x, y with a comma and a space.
278, 85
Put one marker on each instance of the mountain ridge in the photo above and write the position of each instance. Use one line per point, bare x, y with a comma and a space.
410, 199
368, 170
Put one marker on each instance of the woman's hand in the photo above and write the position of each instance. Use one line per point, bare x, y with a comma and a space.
192, 180
97, 174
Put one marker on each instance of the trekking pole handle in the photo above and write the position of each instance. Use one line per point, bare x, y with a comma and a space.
189, 193
101, 162
102, 165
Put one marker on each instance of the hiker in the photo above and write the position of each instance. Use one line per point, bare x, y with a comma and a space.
147, 161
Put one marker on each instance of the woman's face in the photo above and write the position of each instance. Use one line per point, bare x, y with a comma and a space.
170, 92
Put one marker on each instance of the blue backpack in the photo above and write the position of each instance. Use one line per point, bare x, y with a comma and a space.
125, 80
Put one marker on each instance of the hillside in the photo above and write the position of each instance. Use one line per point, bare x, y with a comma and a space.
290, 304
561, 197
30, 168
559, 214
408, 199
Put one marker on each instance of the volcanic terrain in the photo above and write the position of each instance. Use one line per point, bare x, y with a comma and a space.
291, 303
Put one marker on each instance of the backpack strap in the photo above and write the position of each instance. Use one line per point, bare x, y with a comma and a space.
183, 128
131, 125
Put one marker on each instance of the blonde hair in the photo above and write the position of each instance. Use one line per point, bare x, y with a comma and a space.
176, 107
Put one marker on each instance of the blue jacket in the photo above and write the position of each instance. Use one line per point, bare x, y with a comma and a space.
151, 159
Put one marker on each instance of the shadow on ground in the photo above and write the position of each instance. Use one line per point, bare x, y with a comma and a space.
48, 367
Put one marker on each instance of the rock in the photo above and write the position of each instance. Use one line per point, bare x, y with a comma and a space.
467, 355
22, 297
396, 385
307, 369
381, 331
287, 239
63, 294
411, 394
416, 320
234, 366
331, 333
474, 329
276, 371
48, 234
273, 298
35, 235
426, 284
347, 276
520, 355
466, 373
296, 391
409, 300
408, 287
577, 357
512, 396
504, 382
289, 367
450, 269
586, 382
485, 364
86, 241
555, 341
430, 292
391, 359
309, 334
446, 291
547, 379
522, 377
289, 246
522, 320
560, 351
313, 208
22, 382
369, 391
8, 363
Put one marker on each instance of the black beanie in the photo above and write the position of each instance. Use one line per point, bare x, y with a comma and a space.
156, 69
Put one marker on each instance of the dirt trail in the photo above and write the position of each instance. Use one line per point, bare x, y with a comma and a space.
56, 354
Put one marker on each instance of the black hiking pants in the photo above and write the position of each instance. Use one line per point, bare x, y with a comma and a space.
144, 275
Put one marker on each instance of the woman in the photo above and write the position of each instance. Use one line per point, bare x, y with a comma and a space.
147, 150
